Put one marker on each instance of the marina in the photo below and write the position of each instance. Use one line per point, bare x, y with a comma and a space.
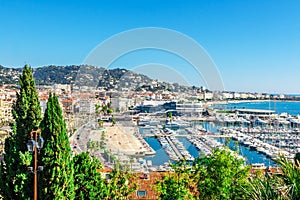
152, 141
259, 138
201, 144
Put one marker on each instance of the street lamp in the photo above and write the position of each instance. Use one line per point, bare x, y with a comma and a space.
35, 143
31, 145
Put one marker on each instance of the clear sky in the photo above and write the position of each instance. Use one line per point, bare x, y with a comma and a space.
254, 43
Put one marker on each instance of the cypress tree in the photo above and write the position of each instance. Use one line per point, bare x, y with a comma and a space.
56, 180
16, 181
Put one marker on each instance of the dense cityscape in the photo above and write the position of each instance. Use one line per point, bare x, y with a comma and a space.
120, 128
153, 100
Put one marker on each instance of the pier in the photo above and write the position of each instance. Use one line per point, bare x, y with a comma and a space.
173, 147
262, 135
179, 155
187, 135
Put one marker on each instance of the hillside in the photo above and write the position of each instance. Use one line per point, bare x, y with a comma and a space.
78, 75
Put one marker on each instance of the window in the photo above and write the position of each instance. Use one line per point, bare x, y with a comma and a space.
107, 176
141, 193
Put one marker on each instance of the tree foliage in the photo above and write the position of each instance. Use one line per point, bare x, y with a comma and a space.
297, 159
218, 176
264, 188
177, 184
121, 184
289, 180
284, 185
16, 181
221, 175
88, 182
57, 178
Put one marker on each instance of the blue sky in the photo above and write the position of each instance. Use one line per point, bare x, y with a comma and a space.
254, 43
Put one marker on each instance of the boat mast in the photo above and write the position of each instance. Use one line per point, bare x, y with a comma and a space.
275, 103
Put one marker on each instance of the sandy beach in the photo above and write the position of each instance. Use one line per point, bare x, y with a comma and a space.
121, 139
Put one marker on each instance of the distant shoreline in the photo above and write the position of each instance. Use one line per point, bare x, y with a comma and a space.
208, 104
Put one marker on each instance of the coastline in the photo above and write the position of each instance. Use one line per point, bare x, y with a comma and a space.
220, 102
208, 104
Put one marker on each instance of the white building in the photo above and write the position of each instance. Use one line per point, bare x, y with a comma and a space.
190, 107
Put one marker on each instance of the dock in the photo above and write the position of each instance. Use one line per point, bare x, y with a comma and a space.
179, 155
187, 135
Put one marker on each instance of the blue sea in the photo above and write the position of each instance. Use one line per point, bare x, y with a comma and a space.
250, 156
293, 108
160, 157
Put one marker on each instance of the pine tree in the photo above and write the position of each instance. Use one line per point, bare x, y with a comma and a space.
56, 180
16, 181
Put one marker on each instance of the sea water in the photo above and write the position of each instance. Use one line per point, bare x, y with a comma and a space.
161, 157
293, 108
249, 155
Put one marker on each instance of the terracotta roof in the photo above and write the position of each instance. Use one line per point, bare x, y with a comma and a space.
272, 170
67, 100
106, 170
147, 182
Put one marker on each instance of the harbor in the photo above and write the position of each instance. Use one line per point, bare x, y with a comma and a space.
257, 135
202, 145
152, 141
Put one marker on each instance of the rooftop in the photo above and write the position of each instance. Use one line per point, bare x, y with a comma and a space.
255, 111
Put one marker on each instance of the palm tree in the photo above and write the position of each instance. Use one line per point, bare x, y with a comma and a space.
285, 185
263, 188
290, 178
